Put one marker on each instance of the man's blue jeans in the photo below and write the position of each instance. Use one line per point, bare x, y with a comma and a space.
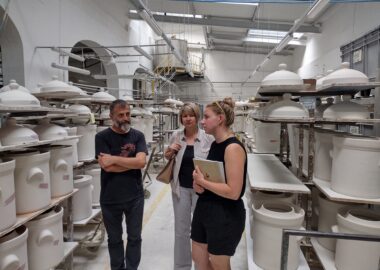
113, 219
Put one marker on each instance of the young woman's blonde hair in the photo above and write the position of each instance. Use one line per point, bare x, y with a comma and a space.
190, 108
225, 107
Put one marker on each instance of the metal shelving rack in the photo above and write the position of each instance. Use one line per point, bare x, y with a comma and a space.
26, 114
312, 124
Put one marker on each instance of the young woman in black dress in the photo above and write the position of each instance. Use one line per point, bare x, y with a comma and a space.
219, 216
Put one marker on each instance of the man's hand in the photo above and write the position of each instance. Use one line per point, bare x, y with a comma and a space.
105, 160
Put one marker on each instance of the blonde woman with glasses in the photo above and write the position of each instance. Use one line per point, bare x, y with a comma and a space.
186, 143
219, 216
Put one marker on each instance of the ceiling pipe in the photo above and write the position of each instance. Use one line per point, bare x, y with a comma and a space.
314, 10
143, 52
71, 69
69, 54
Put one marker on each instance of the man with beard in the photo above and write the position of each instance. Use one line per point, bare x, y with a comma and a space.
121, 152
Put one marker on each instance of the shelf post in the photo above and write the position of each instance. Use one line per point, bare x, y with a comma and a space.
68, 264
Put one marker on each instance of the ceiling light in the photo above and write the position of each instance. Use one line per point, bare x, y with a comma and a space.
71, 69
144, 53
284, 42
69, 54
152, 23
316, 10
240, 3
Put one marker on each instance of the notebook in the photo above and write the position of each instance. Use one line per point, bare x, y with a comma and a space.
212, 170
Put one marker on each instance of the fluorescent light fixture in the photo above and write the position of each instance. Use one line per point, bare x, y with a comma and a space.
183, 15
143, 53
69, 54
284, 42
255, 33
316, 10
150, 20
240, 3
71, 69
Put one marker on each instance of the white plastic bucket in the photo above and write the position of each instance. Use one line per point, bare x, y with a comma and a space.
61, 170
45, 240
269, 219
95, 173
82, 200
32, 181
13, 250
86, 144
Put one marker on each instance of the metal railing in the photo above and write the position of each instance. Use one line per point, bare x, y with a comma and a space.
286, 233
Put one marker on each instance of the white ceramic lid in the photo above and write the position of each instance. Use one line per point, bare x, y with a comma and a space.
285, 109
240, 104
48, 131
55, 85
346, 110
178, 102
166, 109
345, 75
13, 134
8, 87
16, 97
102, 96
282, 77
77, 89
172, 101
80, 109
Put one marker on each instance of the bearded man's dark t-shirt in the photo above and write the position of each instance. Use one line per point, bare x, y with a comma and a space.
120, 187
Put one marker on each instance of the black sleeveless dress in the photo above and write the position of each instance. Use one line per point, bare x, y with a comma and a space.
217, 221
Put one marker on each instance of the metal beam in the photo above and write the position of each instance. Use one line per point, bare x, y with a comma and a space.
231, 22
240, 49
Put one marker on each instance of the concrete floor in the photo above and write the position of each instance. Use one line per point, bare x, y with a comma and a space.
158, 238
